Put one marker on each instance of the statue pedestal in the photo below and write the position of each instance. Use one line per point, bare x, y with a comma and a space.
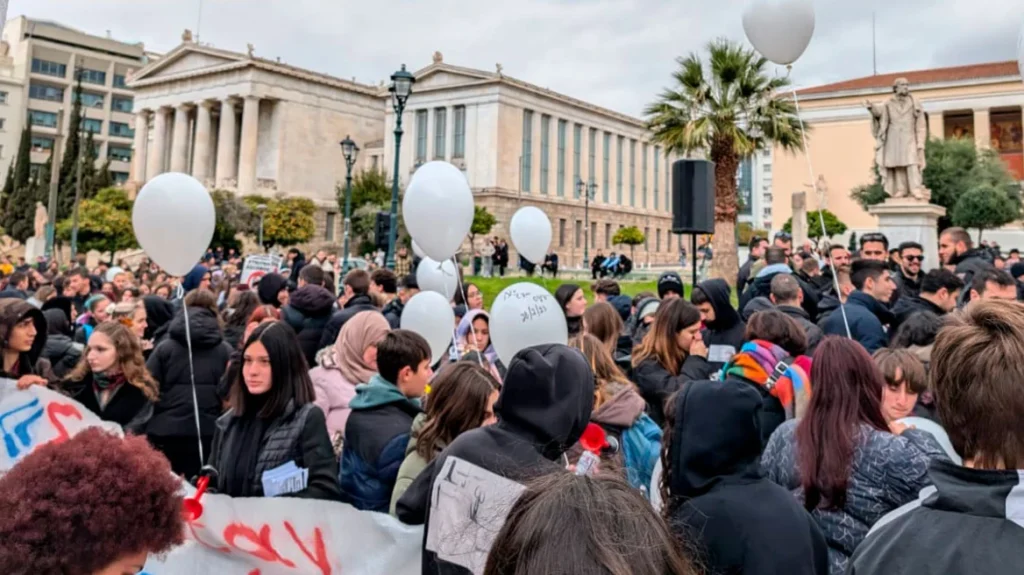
35, 246
911, 221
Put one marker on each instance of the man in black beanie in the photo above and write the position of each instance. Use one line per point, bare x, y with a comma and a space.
670, 285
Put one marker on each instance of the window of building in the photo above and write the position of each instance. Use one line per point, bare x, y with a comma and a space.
657, 176
422, 118
668, 240
593, 234
577, 144
94, 76
41, 144
767, 168
657, 241
618, 170
606, 164
440, 133
607, 236
3, 97
119, 153
120, 178
527, 152
121, 104
591, 155
45, 119
579, 234
3, 122
545, 151
561, 159
44, 92
120, 81
561, 232
643, 175
632, 173
121, 130
460, 132
647, 239
329, 227
92, 125
374, 162
49, 68
92, 100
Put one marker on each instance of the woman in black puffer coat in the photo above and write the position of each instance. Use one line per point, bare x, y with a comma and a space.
172, 429
308, 311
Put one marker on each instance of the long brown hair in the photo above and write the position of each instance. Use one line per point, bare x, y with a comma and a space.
660, 342
609, 378
456, 404
129, 359
604, 323
847, 394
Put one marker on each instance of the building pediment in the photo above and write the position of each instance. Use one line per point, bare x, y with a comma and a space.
187, 60
440, 75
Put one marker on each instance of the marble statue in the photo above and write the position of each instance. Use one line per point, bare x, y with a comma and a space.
821, 191
186, 36
900, 131
438, 57
250, 50
39, 225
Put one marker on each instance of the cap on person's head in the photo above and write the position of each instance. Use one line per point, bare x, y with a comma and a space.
669, 282
622, 304
647, 307
1017, 270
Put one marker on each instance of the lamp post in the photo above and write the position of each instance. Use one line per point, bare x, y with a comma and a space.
51, 205
349, 150
262, 209
587, 191
401, 88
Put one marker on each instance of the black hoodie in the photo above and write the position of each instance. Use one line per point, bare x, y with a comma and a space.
308, 311
723, 336
173, 415
544, 406
159, 313
62, 353
12, 311
742, 522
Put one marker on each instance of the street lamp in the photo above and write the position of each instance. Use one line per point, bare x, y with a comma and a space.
349, 150
262, 209
587, 191
401, 88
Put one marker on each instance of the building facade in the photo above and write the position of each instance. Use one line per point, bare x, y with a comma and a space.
754, 188
37, 85
982, 102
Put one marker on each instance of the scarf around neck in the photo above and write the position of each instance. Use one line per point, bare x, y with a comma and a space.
757, 361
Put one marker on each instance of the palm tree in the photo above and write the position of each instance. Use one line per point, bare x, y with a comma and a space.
729, 111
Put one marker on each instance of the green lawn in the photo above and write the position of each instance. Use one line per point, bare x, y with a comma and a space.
493, 286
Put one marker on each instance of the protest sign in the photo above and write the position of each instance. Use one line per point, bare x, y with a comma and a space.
264, 536
258, 265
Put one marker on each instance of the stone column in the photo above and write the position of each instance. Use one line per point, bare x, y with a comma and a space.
200, 158
249, 145
799, 200
982, 129
155, 153
139, 156
179, 141
936, 125
227, 151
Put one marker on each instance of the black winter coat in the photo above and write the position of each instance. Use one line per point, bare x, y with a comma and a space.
908, 306
308, 311
393, 312
761, 286
740, 520
62, 353
173, 413
128, 407
656, 384
352, 307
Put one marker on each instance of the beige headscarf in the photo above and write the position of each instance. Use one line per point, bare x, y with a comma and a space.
359, 332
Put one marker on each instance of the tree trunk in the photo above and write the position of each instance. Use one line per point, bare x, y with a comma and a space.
725, 263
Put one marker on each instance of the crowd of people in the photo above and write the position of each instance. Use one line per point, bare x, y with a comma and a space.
756, 431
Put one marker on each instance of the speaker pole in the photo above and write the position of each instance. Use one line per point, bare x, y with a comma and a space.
693, 258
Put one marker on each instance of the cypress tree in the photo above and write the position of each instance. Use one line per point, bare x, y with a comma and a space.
66, 188
22, 165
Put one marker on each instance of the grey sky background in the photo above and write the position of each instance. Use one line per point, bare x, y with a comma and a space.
614, 53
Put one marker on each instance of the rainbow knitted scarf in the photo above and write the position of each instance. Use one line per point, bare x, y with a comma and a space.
757, 361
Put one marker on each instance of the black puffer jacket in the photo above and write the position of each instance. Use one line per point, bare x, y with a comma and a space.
969, 263
169, 365
308, 311
656, 384
62, 353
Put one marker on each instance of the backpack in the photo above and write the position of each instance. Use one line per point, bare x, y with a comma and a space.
641, 447
87, 329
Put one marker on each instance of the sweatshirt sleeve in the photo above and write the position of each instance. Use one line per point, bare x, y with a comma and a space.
318, 457
695, 368
411, 508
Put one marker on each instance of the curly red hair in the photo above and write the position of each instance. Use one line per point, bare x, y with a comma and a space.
78, 506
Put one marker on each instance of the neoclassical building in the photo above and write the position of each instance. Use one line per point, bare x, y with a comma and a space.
255, 126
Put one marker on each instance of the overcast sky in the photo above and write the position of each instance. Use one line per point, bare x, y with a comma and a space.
614, 53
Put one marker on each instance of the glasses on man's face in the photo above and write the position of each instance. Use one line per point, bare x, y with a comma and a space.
914, 258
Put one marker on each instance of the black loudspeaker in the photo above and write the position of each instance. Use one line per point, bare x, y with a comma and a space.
383, 230
693, 197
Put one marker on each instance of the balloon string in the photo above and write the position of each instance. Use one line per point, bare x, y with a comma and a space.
192, 377
821, 212
472, 332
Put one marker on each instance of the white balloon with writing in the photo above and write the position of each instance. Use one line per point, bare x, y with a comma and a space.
173, 218
524, 315
780, 29
438, 209
430, 315
530, 230
440, 277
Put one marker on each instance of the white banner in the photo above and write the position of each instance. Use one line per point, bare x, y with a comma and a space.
233, 536
258, 265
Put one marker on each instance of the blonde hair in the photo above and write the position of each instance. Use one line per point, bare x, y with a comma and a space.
608, 377
129, 359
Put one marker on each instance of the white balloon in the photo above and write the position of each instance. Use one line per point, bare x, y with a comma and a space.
937, 431
112, 273
431, 316
780, 29
524, 315
173, 219
417, 250
437, 277
530, 229
438, 209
